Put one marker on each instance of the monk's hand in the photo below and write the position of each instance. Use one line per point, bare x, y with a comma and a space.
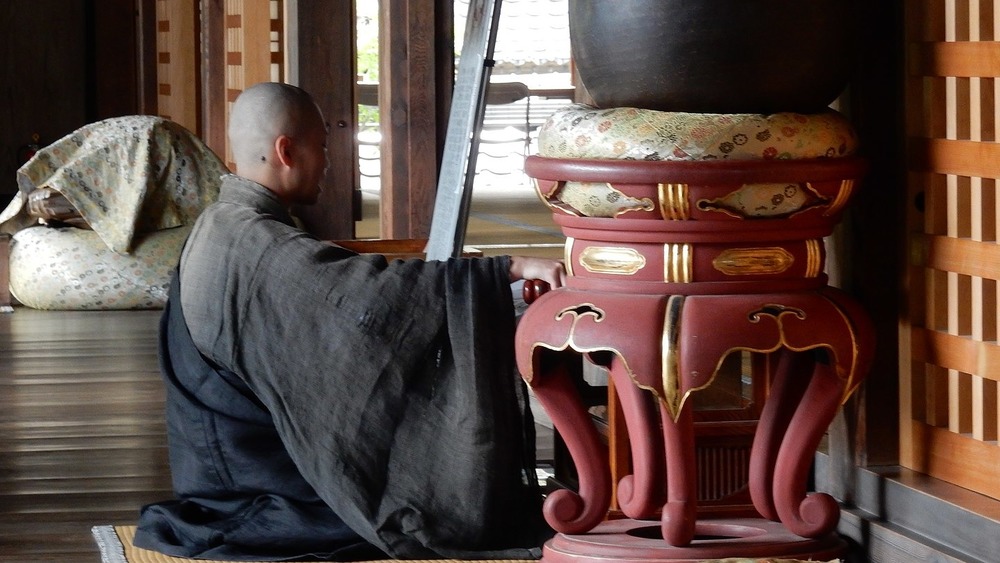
530, 268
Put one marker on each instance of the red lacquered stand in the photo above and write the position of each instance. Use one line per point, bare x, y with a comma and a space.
660, 295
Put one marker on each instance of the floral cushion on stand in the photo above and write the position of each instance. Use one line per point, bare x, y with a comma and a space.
580, 131
583, 132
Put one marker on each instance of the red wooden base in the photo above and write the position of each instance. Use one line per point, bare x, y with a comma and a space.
660, 349
639, 541
661, 298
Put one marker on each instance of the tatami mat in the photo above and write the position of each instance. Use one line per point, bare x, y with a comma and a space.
116, 546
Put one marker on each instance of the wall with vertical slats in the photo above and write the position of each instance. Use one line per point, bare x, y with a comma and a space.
177, 61
251, 46
950, 357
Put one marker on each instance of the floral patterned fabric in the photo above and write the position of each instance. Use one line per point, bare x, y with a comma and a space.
139, 182
584, 132
598, 199
580, 131
126, 176
70, 268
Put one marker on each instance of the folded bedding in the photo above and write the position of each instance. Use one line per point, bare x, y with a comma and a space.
124, 188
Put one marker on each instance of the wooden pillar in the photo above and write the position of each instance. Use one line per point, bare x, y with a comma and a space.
325, 50
408, 108
213, 75
876, 223
146, 48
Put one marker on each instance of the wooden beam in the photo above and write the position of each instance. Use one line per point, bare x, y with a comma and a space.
955, 58
955, 157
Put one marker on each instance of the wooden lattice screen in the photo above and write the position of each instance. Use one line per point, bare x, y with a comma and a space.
252, 46
949, 355
177, 61
254, 53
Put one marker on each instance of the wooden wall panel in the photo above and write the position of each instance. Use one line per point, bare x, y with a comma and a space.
949, 351
177, 74
205, 53
242, 42
62, 65
42, 58
253, 30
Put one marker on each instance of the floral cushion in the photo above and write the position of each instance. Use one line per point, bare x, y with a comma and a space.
580, 131
70, 268
583, 132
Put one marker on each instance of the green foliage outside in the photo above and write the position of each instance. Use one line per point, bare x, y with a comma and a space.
368, 72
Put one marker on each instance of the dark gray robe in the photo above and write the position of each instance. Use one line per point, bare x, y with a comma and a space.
391, 387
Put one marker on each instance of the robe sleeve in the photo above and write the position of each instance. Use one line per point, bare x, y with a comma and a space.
394, 389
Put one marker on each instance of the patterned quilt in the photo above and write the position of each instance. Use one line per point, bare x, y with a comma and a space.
126, 176
134, 185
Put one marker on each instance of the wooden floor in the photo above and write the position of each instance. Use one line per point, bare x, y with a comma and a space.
82, 437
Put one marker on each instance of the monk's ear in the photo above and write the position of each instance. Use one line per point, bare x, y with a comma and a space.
283, 149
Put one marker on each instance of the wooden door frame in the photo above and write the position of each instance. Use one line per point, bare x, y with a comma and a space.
325, 52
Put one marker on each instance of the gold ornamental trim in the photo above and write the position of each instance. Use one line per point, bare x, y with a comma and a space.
575, 314
674, 203
641, 203
846, 188
753, 261
568, 255
615, 260
673, 399
677, 263
545, 195
814, 258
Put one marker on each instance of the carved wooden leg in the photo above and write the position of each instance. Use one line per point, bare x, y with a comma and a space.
679, 512
790, 378
640, 494
816, 514
567, 511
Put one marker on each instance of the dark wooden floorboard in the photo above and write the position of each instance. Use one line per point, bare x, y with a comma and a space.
82, 436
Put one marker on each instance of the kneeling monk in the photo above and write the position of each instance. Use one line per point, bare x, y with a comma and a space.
329, 405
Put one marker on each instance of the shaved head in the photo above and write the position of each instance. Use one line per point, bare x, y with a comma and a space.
264, 112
